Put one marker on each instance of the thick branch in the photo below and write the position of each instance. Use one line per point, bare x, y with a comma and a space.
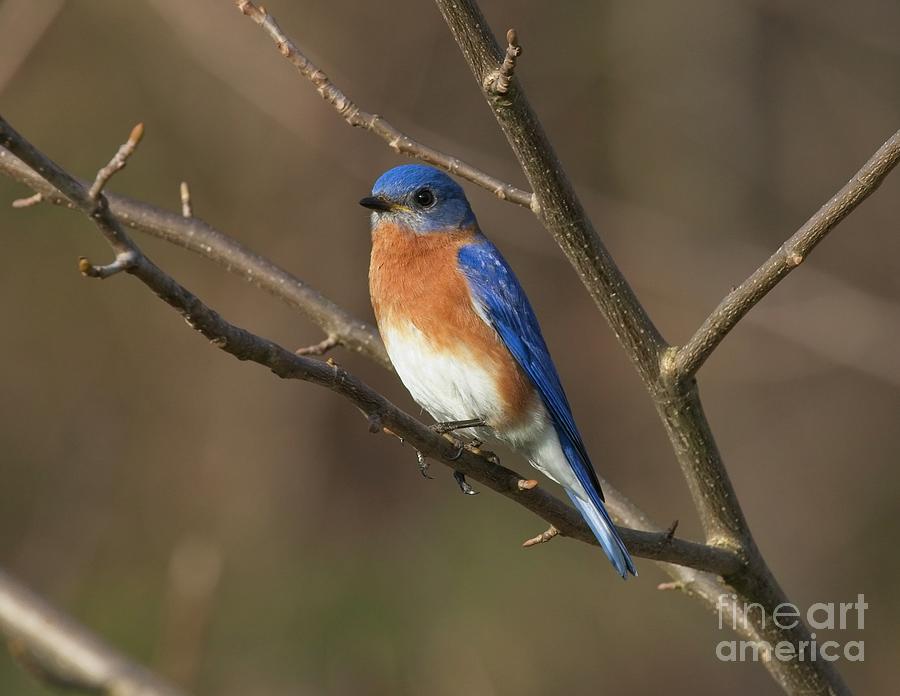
64, 654
558, 206
356, 117
680, 409
247, 346
686, 360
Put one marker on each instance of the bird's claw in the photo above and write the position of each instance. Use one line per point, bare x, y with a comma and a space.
463, 484
460, 449
423, 465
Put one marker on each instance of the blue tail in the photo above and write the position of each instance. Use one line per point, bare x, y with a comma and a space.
600, 523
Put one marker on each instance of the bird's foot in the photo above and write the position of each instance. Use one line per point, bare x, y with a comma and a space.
463, 484
423, 465
450, 426
541, 538
474, 446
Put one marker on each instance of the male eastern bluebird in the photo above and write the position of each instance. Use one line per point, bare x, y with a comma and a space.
464, 339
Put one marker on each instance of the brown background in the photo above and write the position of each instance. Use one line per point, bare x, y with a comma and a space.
137, 460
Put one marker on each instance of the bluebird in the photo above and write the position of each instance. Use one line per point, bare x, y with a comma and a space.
464, 340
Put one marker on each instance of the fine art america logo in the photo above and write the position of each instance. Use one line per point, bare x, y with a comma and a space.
821, 616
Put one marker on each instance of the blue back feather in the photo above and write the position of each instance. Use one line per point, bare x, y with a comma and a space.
504, 305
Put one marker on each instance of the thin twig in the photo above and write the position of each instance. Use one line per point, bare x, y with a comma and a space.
118, 161
321, 347
683, 362
670, 532
356, 117
187, 211
497, 82
28, 202
541, 538
284, 363
123, 261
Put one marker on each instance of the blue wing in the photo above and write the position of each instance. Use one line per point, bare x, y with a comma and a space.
504, 305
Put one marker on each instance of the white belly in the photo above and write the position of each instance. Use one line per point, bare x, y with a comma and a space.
449, 385
453, 386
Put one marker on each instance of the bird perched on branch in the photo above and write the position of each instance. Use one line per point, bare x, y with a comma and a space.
464, 339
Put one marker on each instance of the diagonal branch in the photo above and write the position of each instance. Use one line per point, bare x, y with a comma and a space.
62, 653
686, 360
558, 208
201, 238
356, 117
388, 418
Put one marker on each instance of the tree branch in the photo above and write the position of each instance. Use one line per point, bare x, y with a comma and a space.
246, 346
558, 207
678, 405
62, 653
201, 238
683, 362
398, 141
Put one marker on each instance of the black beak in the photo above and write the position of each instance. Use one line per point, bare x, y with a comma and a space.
374, 203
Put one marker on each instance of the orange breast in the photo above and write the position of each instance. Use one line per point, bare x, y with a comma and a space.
416, 278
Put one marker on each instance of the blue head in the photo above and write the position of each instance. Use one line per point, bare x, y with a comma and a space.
419, 197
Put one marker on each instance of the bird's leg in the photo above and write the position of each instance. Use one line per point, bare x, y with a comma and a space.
444, 428
449, 426
463, 484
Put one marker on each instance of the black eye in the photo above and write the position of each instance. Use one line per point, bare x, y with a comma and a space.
424, 197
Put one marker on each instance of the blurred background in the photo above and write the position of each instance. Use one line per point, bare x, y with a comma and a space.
244, 534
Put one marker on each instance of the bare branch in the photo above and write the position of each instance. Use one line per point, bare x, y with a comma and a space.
679, 404
683, 362
62, 653
201, 238
497, 83
378, 410
356, 117
187, 210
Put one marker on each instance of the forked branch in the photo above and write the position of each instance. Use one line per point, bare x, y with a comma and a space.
284, 363
683, 362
